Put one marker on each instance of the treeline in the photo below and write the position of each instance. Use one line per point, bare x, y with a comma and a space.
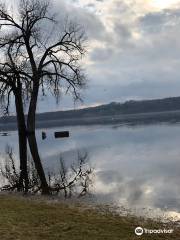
129, 107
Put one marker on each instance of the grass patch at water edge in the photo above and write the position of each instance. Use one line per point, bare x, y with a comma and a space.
27, 219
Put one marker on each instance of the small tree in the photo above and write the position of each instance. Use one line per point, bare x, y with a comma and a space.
76, 178
40, 59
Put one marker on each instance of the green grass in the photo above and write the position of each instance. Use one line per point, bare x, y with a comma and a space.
25, 219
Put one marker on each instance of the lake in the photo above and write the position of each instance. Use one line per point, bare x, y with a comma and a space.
134, 167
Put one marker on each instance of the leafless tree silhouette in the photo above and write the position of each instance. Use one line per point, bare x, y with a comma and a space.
34, 59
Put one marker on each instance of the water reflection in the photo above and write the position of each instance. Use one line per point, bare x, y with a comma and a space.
136, 167
67, 181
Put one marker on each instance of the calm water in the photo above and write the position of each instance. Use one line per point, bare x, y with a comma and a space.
135, 167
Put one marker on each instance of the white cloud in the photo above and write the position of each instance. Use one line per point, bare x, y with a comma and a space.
133, 47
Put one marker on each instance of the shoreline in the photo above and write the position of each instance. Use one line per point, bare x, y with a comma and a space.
44, 219
171, 117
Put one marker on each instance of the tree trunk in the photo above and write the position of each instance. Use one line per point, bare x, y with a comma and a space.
23, 180
32, 140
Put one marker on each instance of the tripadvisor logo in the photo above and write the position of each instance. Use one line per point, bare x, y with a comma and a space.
140, 231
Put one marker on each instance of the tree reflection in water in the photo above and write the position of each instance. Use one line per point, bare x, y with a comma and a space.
66, 181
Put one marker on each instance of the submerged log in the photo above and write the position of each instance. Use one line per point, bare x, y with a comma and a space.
43, 135
63, 134
4, 134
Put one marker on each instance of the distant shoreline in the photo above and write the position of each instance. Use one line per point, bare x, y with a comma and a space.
125, 119
128, 113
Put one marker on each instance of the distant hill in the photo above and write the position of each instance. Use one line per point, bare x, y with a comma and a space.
129, 110
114, 108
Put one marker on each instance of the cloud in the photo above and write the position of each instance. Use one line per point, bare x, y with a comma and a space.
133, 48
140, 57
94, 27
156, 22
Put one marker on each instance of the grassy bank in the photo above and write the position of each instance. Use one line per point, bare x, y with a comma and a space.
25, 219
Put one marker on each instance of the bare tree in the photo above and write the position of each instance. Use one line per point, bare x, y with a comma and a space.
76, 179
40, 59
10, 84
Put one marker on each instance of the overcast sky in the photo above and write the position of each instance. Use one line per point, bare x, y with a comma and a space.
133, 49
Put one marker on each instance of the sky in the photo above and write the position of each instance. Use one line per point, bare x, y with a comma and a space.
133, 50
